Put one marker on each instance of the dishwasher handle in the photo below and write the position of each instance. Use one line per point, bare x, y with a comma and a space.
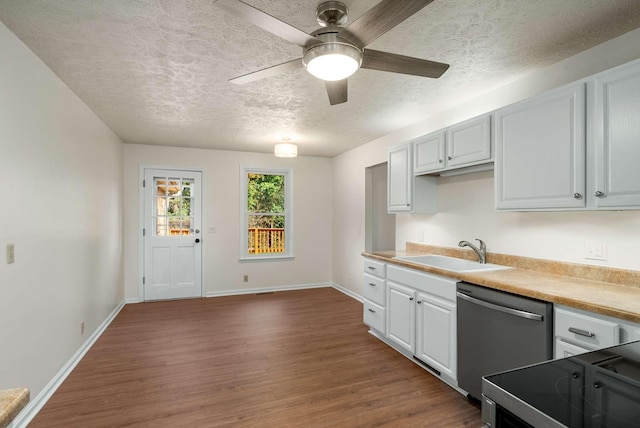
493, 306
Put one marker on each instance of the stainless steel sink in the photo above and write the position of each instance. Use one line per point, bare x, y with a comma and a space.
451, 263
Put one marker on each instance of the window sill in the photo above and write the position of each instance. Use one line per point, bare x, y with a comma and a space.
266, 258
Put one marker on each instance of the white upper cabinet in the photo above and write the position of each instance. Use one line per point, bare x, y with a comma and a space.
465, 144
429, 153
406, 193
540, 152
400, 179
469, 142
616, 138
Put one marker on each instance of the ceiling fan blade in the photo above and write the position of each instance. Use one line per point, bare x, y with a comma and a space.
380, 19
385, 61
267, 22
268, 72
337, 91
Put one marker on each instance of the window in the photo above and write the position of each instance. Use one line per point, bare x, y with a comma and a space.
266, 200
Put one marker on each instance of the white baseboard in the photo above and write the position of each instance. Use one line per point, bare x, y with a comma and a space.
130, 300
34, 406
348, 292
266, 289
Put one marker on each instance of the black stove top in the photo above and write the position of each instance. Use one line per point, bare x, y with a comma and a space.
596, 389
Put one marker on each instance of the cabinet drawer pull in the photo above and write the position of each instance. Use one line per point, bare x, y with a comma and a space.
372, 311
372, 284
581, 332
372, 268
577, 195
599, 194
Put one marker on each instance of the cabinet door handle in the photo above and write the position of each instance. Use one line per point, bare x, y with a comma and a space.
439, 160
410, 298
577, 195
599, 194
372, 284
372, 311
581, 332
418, 301
407, 204
449, 157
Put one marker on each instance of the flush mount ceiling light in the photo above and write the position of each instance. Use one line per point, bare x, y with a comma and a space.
286, 150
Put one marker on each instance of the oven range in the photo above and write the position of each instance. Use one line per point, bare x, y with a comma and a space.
596, 389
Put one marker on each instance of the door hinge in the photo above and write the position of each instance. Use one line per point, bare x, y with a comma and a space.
144, 183
144, 231
143, 279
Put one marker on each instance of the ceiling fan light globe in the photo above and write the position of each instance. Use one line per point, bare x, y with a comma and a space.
332, 61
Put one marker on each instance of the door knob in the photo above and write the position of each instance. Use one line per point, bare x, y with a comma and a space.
197, 240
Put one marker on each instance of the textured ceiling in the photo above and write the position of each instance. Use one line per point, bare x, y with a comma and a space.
156, 71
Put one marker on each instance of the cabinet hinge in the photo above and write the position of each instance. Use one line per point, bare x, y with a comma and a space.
143, 279
144, 231
144, 183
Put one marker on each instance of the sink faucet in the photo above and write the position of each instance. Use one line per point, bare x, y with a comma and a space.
481, 252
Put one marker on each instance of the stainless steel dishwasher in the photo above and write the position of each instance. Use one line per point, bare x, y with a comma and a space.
499, 331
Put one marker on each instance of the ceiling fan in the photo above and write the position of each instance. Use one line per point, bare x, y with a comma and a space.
333, 52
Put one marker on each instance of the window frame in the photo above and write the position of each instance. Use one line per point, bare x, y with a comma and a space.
288, 213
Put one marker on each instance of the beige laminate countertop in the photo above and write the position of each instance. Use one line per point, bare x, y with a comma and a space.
616, 300
11, 402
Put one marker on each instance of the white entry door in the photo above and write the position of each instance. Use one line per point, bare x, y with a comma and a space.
172, 224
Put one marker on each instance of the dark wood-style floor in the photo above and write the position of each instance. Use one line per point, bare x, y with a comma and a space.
288, 359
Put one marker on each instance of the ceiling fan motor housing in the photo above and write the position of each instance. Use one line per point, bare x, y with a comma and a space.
332, 13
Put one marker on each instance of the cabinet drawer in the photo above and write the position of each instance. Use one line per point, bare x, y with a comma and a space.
421, 281
374, 289
374, 316
374, 267
564, 349
584, 330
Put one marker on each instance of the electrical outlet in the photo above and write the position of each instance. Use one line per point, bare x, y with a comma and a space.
11, 255
246, 278
595, 250
81, 328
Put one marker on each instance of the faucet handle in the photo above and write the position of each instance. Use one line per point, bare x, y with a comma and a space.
482, 244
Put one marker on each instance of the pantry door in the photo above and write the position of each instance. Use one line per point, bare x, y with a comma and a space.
172, 237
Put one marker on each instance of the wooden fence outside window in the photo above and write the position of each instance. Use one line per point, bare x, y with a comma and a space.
265, 241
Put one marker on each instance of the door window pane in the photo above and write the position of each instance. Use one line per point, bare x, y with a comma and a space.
173, 201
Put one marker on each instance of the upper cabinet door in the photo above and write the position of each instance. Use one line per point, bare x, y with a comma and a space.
617, 138
399, 179
469, 142
540, 152
428, 153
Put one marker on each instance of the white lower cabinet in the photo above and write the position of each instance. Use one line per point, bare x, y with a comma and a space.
401, 316
374, 303
436, 334
577, 331
421, 318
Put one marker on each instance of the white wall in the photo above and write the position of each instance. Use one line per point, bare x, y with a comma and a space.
61, 178
466, 203
312, 210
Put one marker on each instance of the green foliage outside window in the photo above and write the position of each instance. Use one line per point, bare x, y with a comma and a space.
265, 197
